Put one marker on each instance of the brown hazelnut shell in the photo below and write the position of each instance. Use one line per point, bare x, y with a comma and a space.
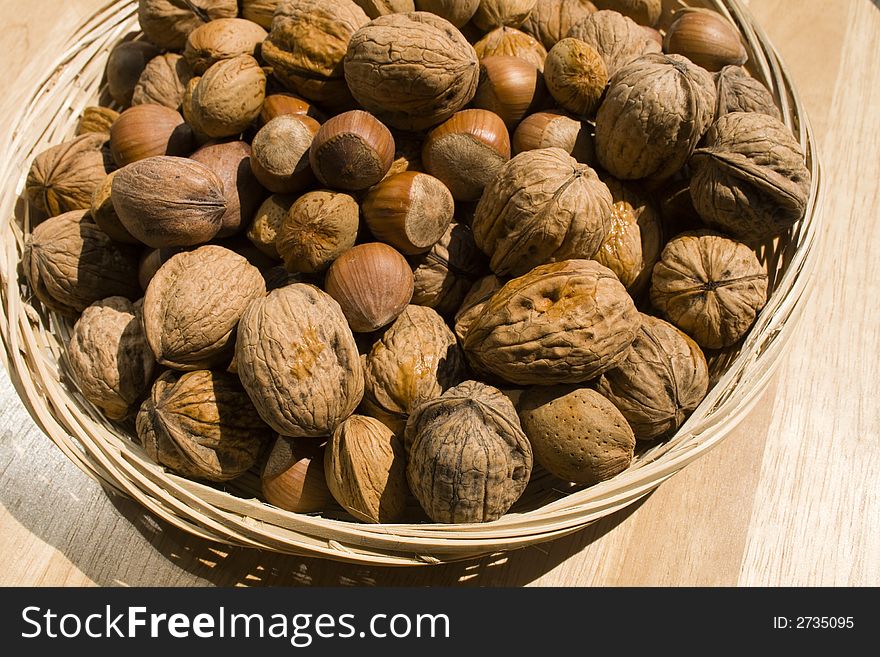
352, 151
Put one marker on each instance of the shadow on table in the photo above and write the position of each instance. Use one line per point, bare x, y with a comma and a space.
229, 566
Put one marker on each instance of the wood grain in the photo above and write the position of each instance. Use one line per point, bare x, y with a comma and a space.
792, 497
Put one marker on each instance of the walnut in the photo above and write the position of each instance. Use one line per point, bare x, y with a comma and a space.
298, 360
64, 177
468, 459
96, 119
492, 14
576, 433
365, 469
457, 12
542, 207
416, 359
307, 44
654, 113
635, 239
71, 263
263, 231
223, 38
317, 229
643, 12
227, 98
169, 201
376, 8
617, 38
512, 42
443, 275
710, 287
193, 304
167, 23
163, 82
738, 91
663, 378
202, 425
749, 179
474, 302
412, 70
566, 322
260, 12
552, 20
125, 64
231, 162
109, 356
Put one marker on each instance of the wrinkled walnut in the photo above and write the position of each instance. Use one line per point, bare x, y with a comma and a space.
542, 207
193, 304
710, 287
201, 424
663, 378
468, 459
474, 302
96, 119
298, 360
227, 98
163, 81
617, 38
750, 179
416, 359
552, 20
317, 229
492, 14
643, 12
738, 91
223, 38
167, 23
566, 322
109, 356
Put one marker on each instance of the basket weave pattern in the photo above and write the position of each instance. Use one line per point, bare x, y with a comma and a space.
34, 346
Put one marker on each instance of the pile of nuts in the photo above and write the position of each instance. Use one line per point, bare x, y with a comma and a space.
382, 248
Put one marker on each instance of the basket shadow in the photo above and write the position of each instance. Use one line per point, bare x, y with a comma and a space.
227, 566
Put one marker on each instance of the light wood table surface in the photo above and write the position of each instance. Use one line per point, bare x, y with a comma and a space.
791, 497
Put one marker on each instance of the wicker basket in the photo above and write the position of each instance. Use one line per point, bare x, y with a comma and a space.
34, 342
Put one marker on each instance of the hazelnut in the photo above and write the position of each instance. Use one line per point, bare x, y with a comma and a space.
497, 13
457, 12
104, 214
410, 211
223, 38
706, 38
372, 283
293, 477
279, 153
511, 87
146, 130
575, 75
285, 103
317, 229
125, 64
555, 130
512, 42
352, 151
467, 151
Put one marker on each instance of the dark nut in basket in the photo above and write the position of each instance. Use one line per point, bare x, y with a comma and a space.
617, 38
710, 287
663, 378
565, 322
193, 304
63, 177
293, 477
750, 179
169, 201
109, 356
387, 55
543, 206
299, 362
416, 359
125, 64
468, 459
201, 424
167, 23
223, 38
319, 227
71, 263
365, 469
739, 92
654, 113
163, 81
576, 433
551, 20
227, 98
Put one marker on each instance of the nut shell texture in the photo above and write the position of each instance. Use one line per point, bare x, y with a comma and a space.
552, 20
365, 468
710, 287
167, 23
201, 424
64, 177
739, 92
228, 97
298, 360
617, 38
468, 459
319, 227
163, 81
109, 356
663, 378
542, 207
564, 322
412, 70
193, 304
222, 38
750, 179
654, 113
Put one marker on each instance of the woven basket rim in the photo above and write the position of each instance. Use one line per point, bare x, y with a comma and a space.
33, 355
